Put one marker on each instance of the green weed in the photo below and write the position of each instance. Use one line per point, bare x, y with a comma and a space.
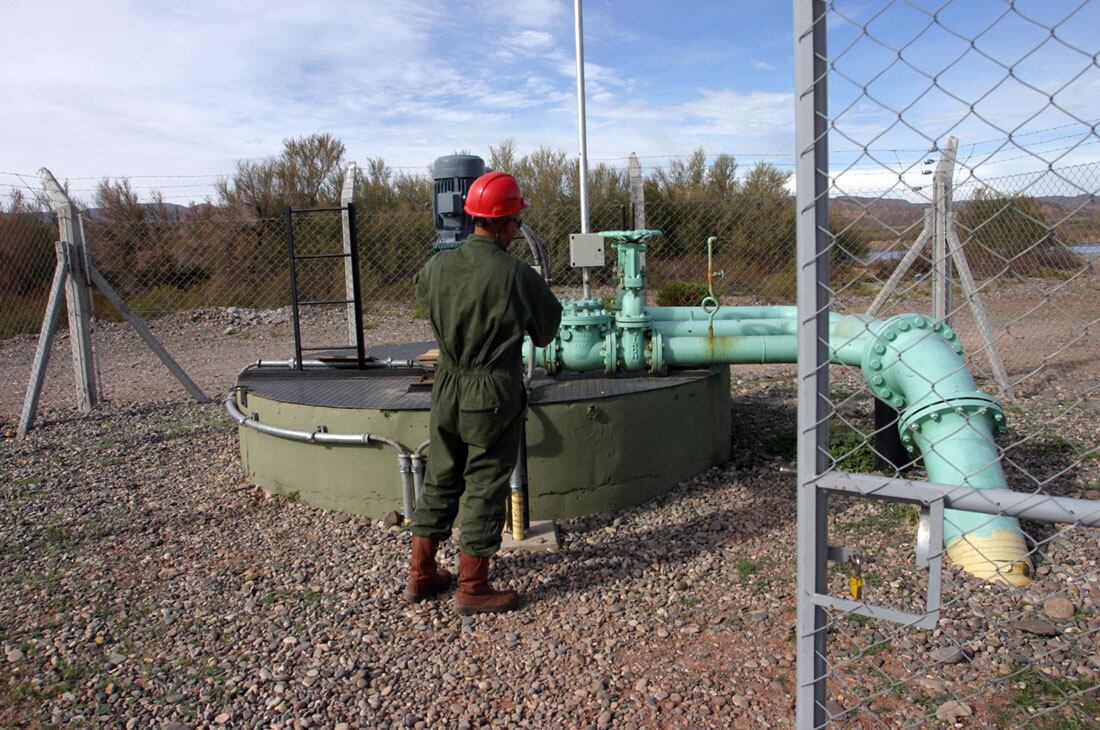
56, 538
746, 568
850, 449
681, 294
1033, 691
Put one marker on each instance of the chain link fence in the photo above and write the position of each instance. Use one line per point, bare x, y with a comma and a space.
1032, 240
948, 550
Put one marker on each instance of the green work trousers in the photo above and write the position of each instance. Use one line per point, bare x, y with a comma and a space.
474, 446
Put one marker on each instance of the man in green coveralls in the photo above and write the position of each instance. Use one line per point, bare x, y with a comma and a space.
481, 302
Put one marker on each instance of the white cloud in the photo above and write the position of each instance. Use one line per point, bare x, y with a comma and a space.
534, 39
531, 13
189, 88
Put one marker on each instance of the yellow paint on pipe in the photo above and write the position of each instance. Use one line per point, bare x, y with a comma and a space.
999, 557
517, 516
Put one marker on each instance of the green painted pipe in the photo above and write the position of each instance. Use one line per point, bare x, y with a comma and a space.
698, 313
911, 362
733, 349
916, 364
679, 328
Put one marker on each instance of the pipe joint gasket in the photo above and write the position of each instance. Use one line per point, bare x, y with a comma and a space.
551, 356
968, 406
611, 353
882, 351
655, 354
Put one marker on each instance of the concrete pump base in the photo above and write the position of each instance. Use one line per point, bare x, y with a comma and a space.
595, 443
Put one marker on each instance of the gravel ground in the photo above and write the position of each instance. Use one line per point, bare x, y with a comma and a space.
144, 583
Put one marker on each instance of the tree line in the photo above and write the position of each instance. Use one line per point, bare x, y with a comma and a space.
230, 249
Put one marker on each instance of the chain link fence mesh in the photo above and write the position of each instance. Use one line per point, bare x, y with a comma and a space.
1017, 641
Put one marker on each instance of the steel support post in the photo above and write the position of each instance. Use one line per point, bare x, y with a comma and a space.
812, 206
582, 130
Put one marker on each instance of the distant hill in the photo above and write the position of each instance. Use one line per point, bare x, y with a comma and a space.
904, 216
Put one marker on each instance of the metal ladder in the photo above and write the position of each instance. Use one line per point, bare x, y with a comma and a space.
296, 303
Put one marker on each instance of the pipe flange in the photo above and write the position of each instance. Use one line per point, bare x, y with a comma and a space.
633, 321
551, 356
874, 365
968, 405
610, 352
655, 354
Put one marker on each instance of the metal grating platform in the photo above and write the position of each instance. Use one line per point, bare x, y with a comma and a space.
390, 389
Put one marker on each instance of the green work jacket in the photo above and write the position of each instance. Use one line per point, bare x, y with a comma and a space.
481, 302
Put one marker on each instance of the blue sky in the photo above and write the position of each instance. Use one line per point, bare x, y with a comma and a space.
170, 89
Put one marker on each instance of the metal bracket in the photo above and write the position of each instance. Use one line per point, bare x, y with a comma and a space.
932, 520
924, 537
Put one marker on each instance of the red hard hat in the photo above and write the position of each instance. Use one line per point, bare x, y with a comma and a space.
494, 195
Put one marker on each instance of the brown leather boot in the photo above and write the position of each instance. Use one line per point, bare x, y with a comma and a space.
474, 594
425, 577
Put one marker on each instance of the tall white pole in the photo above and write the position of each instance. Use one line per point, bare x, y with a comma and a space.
582, 132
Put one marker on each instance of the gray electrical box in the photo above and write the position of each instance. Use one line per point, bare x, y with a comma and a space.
585, 249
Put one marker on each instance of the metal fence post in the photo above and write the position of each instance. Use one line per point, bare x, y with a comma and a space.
45, 340
941, 245
347, 195
77, 293
812, 204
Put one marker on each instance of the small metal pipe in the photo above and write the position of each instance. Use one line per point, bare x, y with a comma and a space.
408, 499
418, 475
404, 457
389, 362
518, 484
420, 467
289, 222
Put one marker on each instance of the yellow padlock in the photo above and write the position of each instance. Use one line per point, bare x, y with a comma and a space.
855, 580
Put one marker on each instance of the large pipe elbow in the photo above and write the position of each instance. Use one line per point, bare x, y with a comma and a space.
915, 364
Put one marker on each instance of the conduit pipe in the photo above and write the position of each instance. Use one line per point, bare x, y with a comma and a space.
419, 466
404, 456
389, 362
